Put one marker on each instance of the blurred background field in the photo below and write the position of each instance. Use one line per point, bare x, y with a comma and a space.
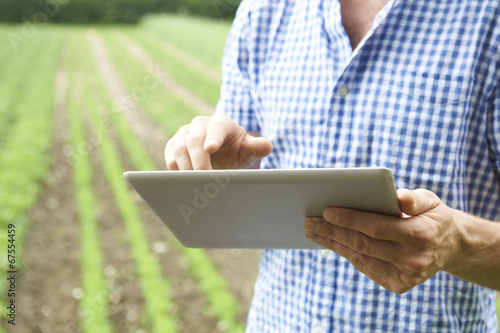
113, 11
80, 104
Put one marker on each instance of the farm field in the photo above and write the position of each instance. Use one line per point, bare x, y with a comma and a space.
78, 106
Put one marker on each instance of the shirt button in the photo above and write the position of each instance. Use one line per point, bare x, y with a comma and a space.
318, 329
325, 253
343, 91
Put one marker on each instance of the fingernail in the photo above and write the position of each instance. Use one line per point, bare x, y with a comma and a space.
209, 142
312, 224
312, 236
331, 215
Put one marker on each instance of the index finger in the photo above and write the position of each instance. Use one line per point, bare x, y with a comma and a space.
216, 132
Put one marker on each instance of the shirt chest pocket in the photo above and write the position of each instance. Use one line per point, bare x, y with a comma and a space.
430, 89
429, 112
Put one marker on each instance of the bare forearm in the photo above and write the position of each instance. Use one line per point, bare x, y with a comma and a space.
479, 256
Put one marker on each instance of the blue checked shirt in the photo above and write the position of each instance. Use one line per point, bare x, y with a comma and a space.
419, 95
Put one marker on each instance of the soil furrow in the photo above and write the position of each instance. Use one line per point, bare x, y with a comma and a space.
189, 304
126, 302
239, 267
124, 104
49, 283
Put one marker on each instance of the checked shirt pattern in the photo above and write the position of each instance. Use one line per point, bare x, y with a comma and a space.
419, 95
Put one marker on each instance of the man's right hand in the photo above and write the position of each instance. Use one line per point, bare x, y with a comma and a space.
215, 142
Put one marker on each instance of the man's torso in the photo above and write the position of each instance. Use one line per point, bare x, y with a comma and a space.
415, 96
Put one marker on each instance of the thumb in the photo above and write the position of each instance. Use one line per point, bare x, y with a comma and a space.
257, 147
417, 201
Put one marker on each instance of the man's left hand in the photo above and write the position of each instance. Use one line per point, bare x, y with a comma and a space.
397, 253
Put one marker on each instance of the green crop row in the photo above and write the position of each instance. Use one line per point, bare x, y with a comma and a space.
223, 306
17, 83
204, 39
156, 290
94, 306
180, 69
23, 158
222, 303
167, 109
6, 52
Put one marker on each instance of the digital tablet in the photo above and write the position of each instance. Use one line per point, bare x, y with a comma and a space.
258, 209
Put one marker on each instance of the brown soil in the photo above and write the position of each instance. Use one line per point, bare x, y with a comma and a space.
239, 267
49, 283
188, 302
50, 278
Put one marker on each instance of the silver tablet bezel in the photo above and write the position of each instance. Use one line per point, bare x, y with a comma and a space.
258, 208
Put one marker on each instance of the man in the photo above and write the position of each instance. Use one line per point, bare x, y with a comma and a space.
410, 85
